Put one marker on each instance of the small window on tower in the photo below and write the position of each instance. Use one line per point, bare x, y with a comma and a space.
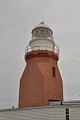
53, 71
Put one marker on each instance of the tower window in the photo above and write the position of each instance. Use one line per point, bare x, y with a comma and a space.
53, 72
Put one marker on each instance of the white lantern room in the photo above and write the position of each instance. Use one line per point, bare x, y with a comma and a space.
42, 39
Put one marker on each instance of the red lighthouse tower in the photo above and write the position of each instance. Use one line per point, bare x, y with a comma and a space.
41, 81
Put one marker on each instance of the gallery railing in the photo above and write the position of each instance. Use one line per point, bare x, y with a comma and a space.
48, 48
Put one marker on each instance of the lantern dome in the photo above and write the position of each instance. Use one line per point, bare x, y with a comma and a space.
42, 38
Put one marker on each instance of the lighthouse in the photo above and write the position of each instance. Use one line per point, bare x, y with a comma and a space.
41, 81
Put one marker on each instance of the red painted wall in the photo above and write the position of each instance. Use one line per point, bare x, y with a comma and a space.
37, 84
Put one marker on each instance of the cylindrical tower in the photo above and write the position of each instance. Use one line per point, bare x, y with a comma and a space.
41, 81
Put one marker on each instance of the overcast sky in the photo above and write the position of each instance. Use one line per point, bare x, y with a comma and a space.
17, 19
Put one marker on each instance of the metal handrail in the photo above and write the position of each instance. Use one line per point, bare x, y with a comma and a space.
54, 49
